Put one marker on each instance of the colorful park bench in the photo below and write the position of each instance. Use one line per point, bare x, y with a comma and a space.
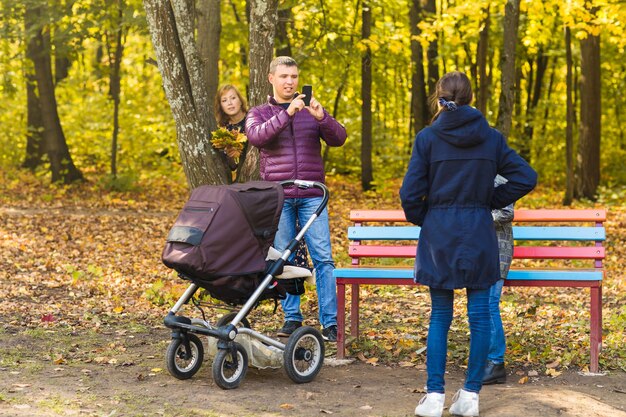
380, 234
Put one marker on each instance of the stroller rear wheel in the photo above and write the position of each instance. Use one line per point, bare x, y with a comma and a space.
183, 363
228, 371
304, 354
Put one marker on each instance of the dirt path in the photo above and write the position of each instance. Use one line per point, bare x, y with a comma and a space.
119, 371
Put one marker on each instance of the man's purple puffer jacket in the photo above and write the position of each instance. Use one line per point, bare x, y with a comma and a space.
290, 146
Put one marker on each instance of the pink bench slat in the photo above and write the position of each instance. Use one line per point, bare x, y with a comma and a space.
519, 252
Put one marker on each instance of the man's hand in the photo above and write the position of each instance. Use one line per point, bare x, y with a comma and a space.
316, 109
296, 105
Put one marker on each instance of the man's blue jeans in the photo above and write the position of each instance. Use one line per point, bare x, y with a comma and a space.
442, 302
498, 341
317, 239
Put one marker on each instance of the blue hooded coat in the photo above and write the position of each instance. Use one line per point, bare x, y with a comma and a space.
449, 191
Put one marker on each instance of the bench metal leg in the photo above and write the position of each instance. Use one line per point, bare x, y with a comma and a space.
341, 320
354, 311
596, 328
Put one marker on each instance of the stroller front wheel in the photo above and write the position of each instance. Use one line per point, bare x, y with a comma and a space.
228, 371
181, 363
304, 354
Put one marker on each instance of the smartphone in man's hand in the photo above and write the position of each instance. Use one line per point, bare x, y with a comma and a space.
308, 91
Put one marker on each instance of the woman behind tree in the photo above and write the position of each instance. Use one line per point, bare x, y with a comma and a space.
230, 111
230, 108
449, 191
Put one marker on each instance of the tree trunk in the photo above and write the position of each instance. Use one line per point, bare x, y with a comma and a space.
535, 88
209, 30
34, 127
569, 127
588, 176
171, 28
507, 66
481, 60
62, 62
366, 97
432, 54
419, 101
263, 15
115, 63
62, 167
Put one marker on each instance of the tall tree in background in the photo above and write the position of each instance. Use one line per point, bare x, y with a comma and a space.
481, 61
171, 27
115, 50
263, 15
62, 61
209, 30
538, 66
366, 97
62, 167
569, 127
507, 67
588, 169
432, 52
419, 102
34, 123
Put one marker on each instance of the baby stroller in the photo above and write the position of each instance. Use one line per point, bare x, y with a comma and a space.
220, 242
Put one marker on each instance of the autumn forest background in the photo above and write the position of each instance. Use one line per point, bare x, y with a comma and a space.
103, 102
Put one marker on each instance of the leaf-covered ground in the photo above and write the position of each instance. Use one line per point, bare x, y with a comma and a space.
85, 263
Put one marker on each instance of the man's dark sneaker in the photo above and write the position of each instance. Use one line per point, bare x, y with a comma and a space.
289, 327
494, 373
330, 333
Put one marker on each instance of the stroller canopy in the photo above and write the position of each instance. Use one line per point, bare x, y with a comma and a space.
225, 230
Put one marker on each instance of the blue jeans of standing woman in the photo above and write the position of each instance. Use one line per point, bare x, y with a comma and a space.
442, 302
317, 239
498, 340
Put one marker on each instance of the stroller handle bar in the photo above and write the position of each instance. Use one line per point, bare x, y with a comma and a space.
311, 184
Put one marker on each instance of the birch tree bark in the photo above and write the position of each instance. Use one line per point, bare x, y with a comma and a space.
171, 28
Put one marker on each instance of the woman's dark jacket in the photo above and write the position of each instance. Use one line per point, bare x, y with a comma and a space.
449, 191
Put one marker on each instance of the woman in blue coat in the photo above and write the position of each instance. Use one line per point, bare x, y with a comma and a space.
449, 191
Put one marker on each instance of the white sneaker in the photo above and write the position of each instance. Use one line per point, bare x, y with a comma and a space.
464, 403
431, 405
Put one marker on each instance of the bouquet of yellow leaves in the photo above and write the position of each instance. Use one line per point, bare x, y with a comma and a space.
229, 141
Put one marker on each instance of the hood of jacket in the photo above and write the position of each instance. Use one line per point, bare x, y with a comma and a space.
463, 128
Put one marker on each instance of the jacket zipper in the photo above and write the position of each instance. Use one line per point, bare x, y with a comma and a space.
295, 151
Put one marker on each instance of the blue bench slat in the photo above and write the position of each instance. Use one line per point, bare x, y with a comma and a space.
514, 274
519, 233
556, 275
558, 233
